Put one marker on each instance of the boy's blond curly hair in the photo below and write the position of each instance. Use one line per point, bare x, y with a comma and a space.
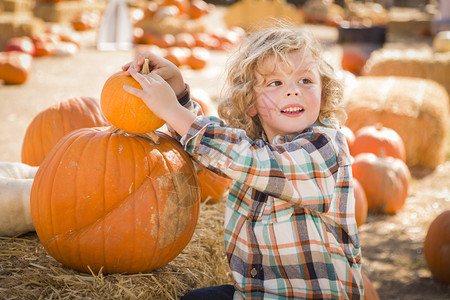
247, 62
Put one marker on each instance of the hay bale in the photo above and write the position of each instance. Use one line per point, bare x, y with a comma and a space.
421, 63
28, 272
17, 6
409, 22
65, 11
15, 24
416, 108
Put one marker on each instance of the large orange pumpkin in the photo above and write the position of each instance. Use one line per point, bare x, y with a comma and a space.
361, 205
115, 202
212, 186
385, 181
377, 138
437, 247
126, 111
51, 124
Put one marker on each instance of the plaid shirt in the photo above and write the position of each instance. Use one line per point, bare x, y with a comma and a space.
290, 230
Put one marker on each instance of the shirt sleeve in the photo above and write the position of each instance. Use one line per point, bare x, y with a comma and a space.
185, 100
303, 171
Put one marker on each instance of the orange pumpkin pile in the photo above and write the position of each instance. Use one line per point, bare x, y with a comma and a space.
16, 57
108, 200
184, 44
379, 168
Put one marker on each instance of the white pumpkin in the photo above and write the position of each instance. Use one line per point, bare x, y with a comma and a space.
441, 42
16, 180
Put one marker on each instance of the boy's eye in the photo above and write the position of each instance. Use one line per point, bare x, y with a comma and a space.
305, 81
275, 83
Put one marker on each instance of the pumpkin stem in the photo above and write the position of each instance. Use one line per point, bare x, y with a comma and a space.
152, 136
113, 129
146, 67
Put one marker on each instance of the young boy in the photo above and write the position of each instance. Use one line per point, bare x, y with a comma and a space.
290, 231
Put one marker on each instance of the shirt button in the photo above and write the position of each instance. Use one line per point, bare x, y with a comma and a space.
253, 272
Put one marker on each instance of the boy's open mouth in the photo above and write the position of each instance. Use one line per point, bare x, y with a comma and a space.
292, 110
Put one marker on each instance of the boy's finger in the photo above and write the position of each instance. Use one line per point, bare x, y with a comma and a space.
136, 75
133, 91
125, 67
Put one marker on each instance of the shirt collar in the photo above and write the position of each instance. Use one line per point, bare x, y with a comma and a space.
286, 138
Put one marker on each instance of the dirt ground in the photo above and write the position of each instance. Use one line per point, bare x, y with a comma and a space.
392, 245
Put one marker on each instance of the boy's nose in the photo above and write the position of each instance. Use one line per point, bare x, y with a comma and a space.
293, 93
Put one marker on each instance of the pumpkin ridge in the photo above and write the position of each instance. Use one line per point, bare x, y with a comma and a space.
67, 144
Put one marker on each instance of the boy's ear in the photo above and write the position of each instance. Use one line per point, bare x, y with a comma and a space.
251, 111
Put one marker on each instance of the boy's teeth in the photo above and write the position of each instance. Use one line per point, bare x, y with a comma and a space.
292, 109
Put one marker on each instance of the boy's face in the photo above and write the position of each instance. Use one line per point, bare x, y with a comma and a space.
289, 99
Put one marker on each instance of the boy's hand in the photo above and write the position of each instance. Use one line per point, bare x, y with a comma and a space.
160, 66
156, 92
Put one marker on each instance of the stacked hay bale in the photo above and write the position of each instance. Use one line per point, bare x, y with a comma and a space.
65, 11
409, 22
17, 19
251, 14
421, 63
418, 109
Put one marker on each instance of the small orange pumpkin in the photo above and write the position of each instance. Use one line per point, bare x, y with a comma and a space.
198, 9
349, 136
22, 44
198, 59
361, 205
212, 186
370, 293
353, 60
116, 202
376, 138
15, 67
436, 247
126, 111
51, 124
385, 181
182, 5
178, 55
